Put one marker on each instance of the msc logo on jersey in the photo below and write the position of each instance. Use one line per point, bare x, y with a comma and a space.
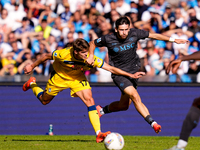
131, 39
55, 54
98, 40
124, 47
116, 49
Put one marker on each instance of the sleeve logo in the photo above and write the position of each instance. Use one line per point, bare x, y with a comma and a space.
98, 60
98, 40
55, 54
115, 49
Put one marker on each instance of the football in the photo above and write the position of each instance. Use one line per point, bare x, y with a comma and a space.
114, 141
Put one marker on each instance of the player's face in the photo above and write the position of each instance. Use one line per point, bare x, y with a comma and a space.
123, 31
81, 54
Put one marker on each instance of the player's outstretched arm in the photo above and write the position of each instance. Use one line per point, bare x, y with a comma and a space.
90, 60
174, 65
117, 71
166, 38
29, 67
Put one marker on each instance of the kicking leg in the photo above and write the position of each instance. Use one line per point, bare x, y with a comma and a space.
135, 97
141, 108
86, 97
131, 94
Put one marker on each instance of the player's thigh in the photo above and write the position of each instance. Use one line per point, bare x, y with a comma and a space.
123, 82
55, 85
130, 94
128, 86
130, 90
86, 97
133, 94
78, 85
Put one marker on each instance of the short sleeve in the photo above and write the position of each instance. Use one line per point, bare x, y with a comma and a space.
100, 42
142, 34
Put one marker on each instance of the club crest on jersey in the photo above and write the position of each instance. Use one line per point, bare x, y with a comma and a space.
55, 54
116, 49
98, 40
49, 90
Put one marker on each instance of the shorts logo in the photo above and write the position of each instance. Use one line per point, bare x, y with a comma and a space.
98, 40
115, 49
121, 84
55, 54
49, 90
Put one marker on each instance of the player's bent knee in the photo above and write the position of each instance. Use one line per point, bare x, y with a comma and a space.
135, 99
124, 108
45, 98
45, 102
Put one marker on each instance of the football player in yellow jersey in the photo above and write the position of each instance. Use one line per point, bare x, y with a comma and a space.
69, 66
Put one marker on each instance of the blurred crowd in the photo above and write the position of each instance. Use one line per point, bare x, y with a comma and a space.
30, 28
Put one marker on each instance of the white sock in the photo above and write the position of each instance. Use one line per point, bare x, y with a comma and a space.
153, 124
101, 111
98, 132
181, 144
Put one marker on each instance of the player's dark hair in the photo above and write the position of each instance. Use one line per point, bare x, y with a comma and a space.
80, 44
121, 21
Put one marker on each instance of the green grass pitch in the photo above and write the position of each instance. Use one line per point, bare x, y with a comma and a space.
87, 142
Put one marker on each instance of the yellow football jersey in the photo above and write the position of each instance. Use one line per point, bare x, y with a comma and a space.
68, 67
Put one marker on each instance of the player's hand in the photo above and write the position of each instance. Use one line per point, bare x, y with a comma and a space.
28, 69
181, 41
90, 61
137, 75
173, 65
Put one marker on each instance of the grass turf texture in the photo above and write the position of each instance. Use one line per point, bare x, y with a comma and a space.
83, 142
